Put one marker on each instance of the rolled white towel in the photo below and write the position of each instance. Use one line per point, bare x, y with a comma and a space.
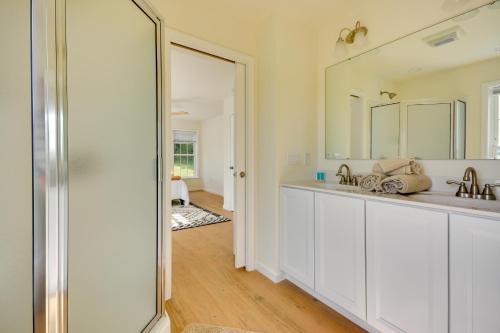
406, 184
395, 167
371, 182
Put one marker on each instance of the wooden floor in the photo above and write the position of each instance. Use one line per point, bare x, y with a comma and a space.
208, 289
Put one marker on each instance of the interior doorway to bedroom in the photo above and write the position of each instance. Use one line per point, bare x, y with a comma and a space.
203, 121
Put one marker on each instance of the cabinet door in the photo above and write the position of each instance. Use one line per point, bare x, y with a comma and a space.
340, 251
474, 275
297, 235
407, 269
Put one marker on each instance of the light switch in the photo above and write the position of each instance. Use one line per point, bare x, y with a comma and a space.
293, 159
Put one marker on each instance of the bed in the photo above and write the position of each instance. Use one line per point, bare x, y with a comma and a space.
180, 191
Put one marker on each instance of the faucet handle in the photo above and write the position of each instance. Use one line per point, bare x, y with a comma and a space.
342, 179
488, 192
356, 179
462, 190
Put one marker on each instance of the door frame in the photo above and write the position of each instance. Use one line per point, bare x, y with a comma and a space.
175, 36
50, 166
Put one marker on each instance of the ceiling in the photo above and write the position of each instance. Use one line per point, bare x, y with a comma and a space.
200, 83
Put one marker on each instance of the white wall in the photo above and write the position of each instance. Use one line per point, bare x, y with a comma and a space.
212, 154
290, 59
381, 17
286, 124
15, 168
285, 78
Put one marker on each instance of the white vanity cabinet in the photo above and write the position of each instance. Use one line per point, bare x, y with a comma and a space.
407, 268
340, 251
297, 235
393, 265
474, 275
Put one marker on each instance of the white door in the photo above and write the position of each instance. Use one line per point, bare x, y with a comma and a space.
474, 275
297, 234
407, 269
340, 251
240, 166
229, 154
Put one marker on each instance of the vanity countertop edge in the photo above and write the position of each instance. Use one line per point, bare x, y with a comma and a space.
395, 199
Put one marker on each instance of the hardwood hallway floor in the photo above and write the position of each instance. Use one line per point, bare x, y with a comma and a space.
208, 289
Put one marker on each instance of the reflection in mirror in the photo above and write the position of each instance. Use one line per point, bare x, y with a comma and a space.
434, 94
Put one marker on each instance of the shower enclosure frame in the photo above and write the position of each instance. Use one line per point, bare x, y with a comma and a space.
50, 164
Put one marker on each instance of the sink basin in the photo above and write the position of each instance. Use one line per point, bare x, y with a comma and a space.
336, 186
451, 200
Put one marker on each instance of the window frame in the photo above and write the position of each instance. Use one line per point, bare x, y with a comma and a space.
495, 106
195, 153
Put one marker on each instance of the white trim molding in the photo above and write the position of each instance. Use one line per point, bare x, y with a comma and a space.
174, 36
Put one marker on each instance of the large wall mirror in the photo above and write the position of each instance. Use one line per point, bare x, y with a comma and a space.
433, 94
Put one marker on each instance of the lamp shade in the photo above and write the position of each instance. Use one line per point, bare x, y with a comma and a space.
359, 39
340, 48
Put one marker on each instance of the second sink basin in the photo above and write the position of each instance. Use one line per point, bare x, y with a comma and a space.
451, 200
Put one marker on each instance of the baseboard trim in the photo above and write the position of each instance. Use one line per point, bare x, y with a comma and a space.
355, 319
271, 274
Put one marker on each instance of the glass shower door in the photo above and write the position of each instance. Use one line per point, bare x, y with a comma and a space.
112, 125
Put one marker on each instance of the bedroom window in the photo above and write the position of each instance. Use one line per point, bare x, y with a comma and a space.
185, 153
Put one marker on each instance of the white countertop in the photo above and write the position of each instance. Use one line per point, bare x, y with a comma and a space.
444, 201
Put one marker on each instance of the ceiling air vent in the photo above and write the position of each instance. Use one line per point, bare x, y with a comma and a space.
445, 37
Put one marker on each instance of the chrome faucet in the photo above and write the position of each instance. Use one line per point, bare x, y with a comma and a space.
346, 179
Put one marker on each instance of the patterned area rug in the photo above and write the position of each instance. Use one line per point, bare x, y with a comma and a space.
191, 216
197, 328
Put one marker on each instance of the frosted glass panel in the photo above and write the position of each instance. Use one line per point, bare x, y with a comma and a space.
385, 131
112, 141
16, 309
429, 131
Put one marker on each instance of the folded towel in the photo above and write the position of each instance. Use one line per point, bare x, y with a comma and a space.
406, 166
371, 182
406, 184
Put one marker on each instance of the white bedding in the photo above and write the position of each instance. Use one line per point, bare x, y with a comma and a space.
180, 191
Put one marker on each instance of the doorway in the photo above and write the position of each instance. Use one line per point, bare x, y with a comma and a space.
208, 160
202, 121
243, 254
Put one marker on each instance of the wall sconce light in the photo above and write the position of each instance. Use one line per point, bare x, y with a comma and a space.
389, 94
356, 37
